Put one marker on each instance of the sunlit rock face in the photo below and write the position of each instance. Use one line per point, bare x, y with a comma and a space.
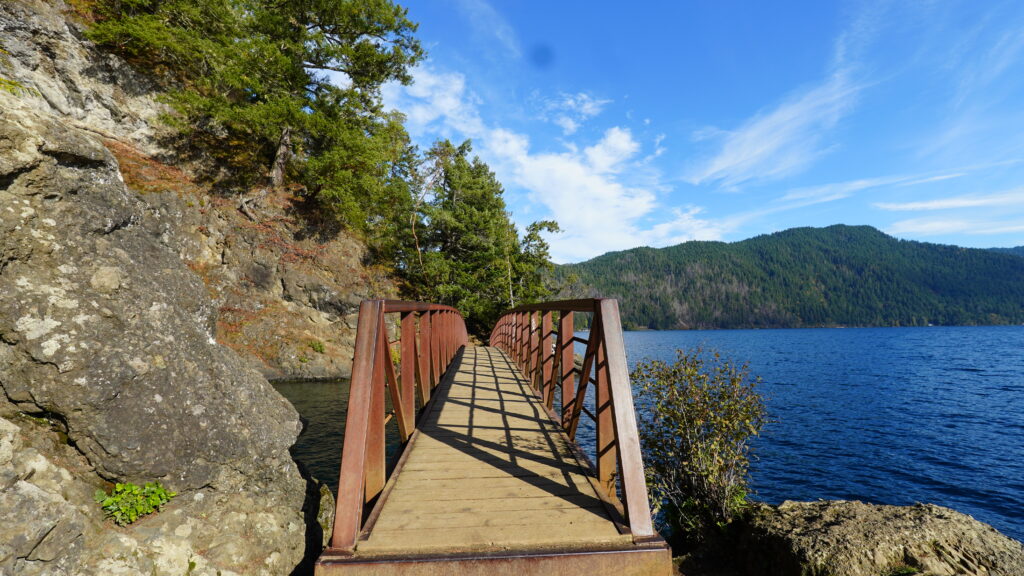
849, 538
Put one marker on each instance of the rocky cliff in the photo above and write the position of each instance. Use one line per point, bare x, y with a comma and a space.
285, 291
118, 278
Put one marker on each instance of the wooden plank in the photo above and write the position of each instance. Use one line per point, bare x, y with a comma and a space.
547, 340
488, 455
423, 354
472, 506
375, 443
546, 482
498, 536
607, 443
581, 391
414, 520
517, 470
405, 423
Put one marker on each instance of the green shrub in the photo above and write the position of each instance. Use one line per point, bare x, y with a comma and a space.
317, 346
128, 502
698, 415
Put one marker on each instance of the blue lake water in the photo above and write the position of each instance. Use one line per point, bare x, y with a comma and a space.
884, 415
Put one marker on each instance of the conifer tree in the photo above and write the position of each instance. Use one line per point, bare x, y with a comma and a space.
469, 253
282, 88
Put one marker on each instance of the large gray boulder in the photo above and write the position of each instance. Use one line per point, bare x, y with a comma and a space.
104, 326
849, 538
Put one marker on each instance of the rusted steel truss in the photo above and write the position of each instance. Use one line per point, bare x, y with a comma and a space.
430, 336
546, 358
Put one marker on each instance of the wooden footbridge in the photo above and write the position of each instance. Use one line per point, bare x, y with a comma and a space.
490, 479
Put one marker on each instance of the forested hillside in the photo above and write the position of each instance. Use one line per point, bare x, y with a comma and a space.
1016, 251
835, 276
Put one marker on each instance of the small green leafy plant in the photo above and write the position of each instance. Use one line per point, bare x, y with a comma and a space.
129, 502
317, 346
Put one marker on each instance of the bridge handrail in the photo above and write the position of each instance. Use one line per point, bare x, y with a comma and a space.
430, 337
546, 357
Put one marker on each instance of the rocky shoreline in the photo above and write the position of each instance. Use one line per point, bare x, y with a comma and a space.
852, 538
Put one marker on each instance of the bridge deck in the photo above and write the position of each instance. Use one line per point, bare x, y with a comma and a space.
490, 470
490, 474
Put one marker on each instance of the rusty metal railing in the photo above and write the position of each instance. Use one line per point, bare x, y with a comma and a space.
545, 356
430, 338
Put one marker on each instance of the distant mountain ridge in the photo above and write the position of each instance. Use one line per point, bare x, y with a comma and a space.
1016, 251
835, 276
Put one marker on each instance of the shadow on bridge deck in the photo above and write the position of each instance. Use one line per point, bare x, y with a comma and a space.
490, 484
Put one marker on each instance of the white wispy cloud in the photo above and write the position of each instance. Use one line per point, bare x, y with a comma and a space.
781, 141
786, 138
437, 103
1010, 198
979, 60
836, 191
601, 192
987, 56
596, 209
570, 111
488, 23
940, 226
929, 179
810, 195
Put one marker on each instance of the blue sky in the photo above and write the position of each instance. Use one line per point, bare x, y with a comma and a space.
652, 123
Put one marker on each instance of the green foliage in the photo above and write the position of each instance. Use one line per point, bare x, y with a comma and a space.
282, 90
462, 248
1016, 251
698, 416
317, 346
289, 92
128, 502
835, 276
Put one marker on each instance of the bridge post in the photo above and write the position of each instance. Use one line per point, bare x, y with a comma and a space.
547, 355
352, 479
408, 367
375, 474
607, 448
566, 363
435, 349
634, 487
423, 357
